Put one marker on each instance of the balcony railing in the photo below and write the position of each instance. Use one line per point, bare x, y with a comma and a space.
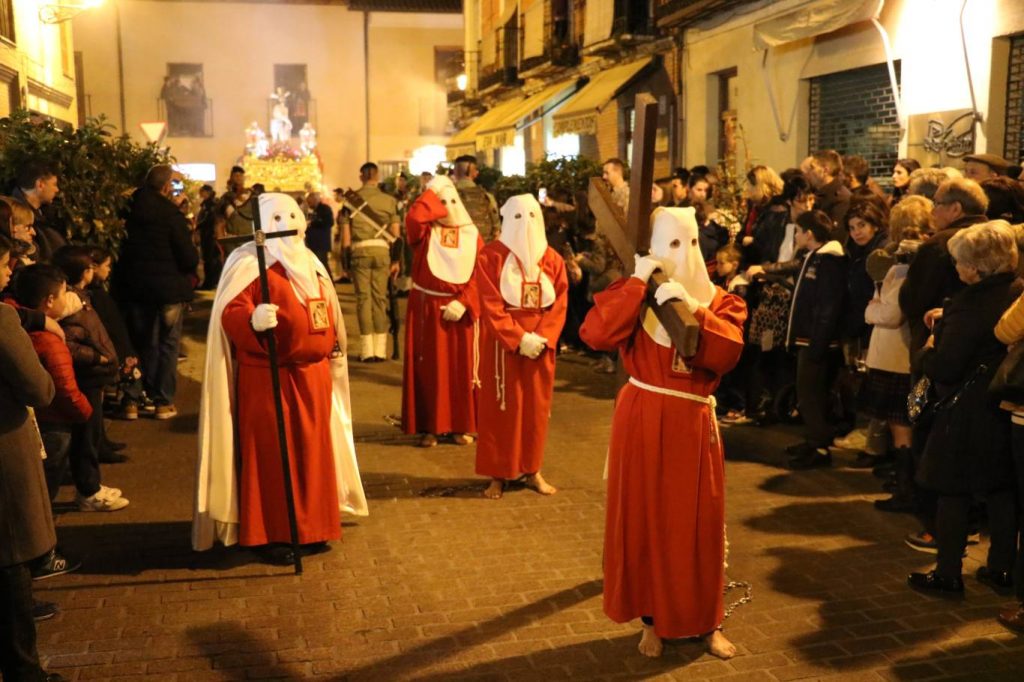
498, 76
186, 117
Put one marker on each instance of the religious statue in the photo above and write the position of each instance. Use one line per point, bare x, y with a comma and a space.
307, 138
255, 140
280, 123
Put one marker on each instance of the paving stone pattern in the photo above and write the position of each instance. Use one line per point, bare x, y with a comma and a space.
450, 586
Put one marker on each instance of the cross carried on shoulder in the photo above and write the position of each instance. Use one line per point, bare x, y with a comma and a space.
631, 234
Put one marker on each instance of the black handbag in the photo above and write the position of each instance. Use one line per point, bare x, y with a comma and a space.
1008, 382
922, 402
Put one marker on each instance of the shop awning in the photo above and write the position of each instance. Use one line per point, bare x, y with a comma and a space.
813, 19
579, 114
502, 133
464, 141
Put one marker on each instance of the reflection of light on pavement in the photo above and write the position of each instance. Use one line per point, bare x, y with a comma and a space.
426, 158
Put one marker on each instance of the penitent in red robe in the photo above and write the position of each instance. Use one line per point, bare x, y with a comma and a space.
664, 545
515, 393
438, 390
306, 394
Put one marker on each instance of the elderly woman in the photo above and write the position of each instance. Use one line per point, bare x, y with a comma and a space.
968, 448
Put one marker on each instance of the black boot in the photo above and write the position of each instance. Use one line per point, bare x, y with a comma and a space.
902, 500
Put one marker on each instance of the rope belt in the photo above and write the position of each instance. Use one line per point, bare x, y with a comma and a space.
708, 400
431, 292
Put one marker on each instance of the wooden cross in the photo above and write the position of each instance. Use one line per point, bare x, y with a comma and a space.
631, 234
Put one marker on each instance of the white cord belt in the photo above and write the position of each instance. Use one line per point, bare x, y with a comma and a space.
431, 292
367, 243
708, 400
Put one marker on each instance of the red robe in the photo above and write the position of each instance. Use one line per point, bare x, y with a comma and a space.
664, 544
515, 393
306, 394
438, 391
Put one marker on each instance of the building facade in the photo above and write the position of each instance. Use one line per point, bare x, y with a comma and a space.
37, 62
752, 81
368, 76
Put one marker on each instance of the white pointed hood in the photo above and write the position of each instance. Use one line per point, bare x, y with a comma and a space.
279, 212
451, 255
674, 240
522, 231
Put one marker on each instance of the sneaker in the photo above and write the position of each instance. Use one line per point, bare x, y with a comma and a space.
854, 440
109, 492
165, 412
922, 541
102, 501
52, 565
147, 406
129, 412
43, 610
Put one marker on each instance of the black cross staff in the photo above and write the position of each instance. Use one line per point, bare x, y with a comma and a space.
259, 238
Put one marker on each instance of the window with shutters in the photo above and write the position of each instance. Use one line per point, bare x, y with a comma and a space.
7, 19
854, 112
1014, 142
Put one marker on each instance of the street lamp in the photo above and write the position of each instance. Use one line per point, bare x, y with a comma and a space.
64, 10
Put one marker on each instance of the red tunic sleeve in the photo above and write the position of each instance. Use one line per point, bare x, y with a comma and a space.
615, 315
422, 214
721, 333
553, 320
236, 320
488, 273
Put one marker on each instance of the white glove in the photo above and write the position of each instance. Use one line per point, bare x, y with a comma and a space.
645, 266
532, 345
264, 317
674, 290
453, 312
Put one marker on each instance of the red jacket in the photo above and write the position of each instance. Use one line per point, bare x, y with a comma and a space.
69, 403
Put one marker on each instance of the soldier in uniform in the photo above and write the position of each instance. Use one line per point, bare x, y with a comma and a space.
371, 263
480, 204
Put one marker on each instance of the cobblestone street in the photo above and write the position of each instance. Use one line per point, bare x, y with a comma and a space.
439, 583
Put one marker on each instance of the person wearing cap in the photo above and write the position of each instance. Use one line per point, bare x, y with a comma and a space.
981, 167
664, 540
523, 302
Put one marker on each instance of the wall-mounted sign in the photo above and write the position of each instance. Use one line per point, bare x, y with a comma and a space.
941, 138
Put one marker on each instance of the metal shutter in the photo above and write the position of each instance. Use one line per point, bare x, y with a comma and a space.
854, 112
1014, 143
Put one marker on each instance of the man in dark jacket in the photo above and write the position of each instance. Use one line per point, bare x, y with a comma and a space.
932, 277
26, 524
37, 186
824, 170
154, 279
814, 328
318, 231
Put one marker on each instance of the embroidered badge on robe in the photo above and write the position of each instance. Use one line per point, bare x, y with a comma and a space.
531, 295
679, 365
450, 237
319, 318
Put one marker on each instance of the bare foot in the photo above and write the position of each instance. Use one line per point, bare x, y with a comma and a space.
650, 643
719, 646
537, 482
495, 489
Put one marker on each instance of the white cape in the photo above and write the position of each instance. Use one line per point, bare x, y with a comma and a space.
215, 513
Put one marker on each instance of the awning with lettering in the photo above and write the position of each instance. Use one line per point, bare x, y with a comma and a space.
579, 114
502, 133
464, 141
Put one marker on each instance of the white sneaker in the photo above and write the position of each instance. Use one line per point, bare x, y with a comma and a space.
103, 501
110, 492
854, 440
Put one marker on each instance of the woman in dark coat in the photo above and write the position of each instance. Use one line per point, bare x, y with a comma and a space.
968, 448
26, 524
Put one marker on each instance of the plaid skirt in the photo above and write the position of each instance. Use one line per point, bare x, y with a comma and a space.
883, 395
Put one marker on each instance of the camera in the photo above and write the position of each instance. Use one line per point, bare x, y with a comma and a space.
177, 187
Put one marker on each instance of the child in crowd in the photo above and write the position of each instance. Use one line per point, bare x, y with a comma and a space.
731, 393
43, 288
129, 381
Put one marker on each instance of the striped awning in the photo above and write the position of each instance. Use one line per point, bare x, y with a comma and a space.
579, 115
464, 141
502, 133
